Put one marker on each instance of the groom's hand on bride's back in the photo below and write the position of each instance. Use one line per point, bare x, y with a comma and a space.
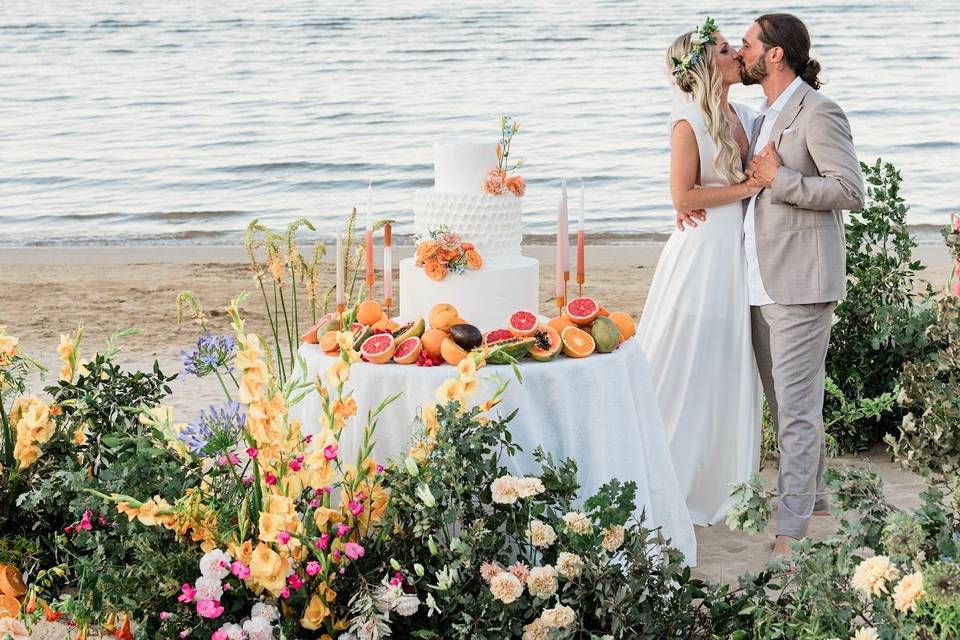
690, 217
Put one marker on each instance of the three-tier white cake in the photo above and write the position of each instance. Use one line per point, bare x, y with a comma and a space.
508, 281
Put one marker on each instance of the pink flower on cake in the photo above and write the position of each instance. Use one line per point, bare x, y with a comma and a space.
448, 241
494, 182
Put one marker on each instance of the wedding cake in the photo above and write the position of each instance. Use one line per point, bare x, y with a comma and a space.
462, 202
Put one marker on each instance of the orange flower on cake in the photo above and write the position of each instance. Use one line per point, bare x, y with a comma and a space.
435, 270
495, 182
516, 185
474, 261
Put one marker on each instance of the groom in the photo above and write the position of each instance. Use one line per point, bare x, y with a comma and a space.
803, 156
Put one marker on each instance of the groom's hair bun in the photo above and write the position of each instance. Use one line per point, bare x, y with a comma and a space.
790, 34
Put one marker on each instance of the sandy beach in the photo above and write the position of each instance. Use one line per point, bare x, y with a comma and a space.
47, 291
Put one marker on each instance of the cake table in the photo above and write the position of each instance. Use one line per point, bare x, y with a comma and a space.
601, 411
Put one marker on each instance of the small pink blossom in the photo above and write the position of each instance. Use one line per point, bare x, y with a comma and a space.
956, 288
253, 452
85, 521
184, 633
230, 458
187, 593
165, 615
353, 550
379, 468
342, 530
356, 508
323, 542
220, 634
520, 570
330, 452
240, 570
313, 568
285, 593
296, 464
397, 579
308, 439
283, 537
489, 570
102, 520
209, 609
314, 503
336, 555
294, 581
226, 586
270, 479
247, 480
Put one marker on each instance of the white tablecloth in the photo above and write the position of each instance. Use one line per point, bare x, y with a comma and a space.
601, 411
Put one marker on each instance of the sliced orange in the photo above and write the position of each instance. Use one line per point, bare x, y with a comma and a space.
577, 343
11, 582
9, 607
328, 343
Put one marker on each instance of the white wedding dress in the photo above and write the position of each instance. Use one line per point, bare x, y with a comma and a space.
695, 332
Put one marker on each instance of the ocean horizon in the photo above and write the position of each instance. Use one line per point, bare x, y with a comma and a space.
178, 124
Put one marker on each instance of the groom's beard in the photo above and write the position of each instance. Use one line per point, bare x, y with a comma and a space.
756, 75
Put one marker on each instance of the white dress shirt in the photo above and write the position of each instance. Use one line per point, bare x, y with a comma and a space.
758, 294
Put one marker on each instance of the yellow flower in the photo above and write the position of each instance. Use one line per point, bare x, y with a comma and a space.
317, 611
467, 367
419, 451
267, 570
324, 516
66, 348
429, 415
866, 633
908, 591
280, 515
872, 575
8, 347
338, 373
79, 436
25, 453
345, 340
452, 389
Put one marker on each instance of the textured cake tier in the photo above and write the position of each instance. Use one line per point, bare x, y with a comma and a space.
485, 298
492, 223
461, 166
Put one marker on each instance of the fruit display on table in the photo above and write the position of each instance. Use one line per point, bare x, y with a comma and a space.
583, 329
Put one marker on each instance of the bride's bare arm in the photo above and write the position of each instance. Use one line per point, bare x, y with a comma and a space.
684, 166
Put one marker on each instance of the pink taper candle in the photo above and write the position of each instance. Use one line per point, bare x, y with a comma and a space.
387, 266
340, 299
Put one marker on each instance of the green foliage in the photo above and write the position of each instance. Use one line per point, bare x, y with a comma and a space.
882, 323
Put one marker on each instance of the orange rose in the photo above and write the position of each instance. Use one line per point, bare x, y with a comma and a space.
467, 246
426, 250
516, 185
435, 270
446, 256
474, 261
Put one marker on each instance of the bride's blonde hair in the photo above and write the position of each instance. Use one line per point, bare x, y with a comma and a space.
704, 82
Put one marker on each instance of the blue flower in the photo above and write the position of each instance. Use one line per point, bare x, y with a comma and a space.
215, 432
211, 353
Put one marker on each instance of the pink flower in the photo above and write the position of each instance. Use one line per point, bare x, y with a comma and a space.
356, 508
220, 634
184, 633
449, 241
379, 468
489, 570
85, 521
187, 593
230, 458
520, 570
323, 542
294, 581
353, 550
397, 579
308, 439
313, 568
283, 537
516, 185
209, 608
240, 570
314, 503
296, 464
336, 555
956, 288
253, 452
226, 586
342, 530
165, 615
330, 452
285, 593
494, 182
102, 520
956, 224
270, 479
247, 480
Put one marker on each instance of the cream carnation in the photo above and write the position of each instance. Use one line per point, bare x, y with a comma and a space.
569, 565
866, 633
613, 538
504, 490
208, 588
871, 577
528, 487
536, 630
505, 587
558, 617
908, 591
542, 581
488, 570
215, 564
541, 534
578, 523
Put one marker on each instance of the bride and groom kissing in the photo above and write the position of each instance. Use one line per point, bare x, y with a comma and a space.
741, 304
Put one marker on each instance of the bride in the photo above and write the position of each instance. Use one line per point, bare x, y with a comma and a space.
695, 327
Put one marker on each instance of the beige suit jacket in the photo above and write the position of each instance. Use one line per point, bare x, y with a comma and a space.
799, 219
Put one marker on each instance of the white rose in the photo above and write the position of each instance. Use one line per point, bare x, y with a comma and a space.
578, 522
569, 565
541, 534
505, 587
528, 487
613, 538
215, 564
542, 581
504, 490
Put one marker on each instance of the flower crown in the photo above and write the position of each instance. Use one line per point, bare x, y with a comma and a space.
700, 39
